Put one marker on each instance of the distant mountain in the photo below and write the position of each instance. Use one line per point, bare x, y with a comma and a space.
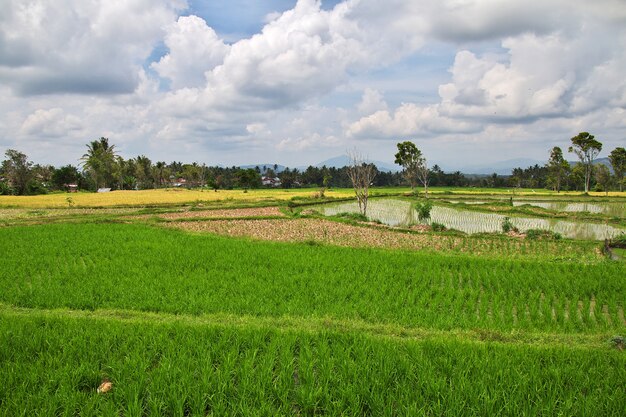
599, 161
343, 160
500, 168
506, 167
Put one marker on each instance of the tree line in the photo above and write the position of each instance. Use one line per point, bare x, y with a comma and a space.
102, 167
558, 174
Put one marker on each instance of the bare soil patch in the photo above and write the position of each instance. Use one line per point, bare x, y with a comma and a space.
320, 230
238, 212
315, 230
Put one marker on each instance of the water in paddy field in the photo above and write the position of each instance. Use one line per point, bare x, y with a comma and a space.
400, 213
616, 209
611, 209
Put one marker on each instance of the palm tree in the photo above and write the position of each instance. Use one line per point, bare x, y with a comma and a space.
99, 161
159, 173
143, 171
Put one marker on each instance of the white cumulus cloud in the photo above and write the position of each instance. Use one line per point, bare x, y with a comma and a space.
79, 46
194, 48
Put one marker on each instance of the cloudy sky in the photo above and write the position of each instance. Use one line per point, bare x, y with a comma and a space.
296, 82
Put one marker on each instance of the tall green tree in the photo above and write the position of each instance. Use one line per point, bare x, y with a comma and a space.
415, 167
43, 173
160, 173
586, 147
192, 173
576, 177
64, 176
248, 178
517, 177
143, 172
604, 178
99, 162
18, 170
558, 169
617, 157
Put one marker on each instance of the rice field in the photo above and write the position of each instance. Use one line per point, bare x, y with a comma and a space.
179, 196
612, 208
160, 197
609, 208
322, 231
395, 212
252, 310
52, 362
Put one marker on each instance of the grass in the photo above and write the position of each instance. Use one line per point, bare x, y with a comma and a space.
90, 266
51, 366
196, 324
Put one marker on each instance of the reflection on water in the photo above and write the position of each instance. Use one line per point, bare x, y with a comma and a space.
400, 213
388, 211
608, 208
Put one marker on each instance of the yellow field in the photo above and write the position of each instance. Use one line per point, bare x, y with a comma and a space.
157, 197
183, 196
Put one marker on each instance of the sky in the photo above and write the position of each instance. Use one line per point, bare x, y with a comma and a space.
236, 82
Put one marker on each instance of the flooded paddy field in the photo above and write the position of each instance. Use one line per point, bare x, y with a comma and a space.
401, 213
609, 208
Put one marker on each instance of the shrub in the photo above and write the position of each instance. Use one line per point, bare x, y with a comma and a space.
540, 234
4, 188
438, 227
423, 210
618, 241
36, 188
507, 226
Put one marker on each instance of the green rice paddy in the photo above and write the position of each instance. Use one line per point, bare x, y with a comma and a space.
193, 324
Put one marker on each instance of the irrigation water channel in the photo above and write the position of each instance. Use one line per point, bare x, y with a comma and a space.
394, 212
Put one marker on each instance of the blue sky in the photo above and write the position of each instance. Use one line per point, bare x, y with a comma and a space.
471, 82
237, 19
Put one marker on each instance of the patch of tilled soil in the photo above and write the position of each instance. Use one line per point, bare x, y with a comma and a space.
302, 230
238, 212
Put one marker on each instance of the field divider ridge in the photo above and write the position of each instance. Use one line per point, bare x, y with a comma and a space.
314, 325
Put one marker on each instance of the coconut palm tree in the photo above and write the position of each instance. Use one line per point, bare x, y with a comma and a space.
159, 173
143, 172
99, 161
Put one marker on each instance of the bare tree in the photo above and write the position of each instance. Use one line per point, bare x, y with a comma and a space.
423, 174
361, 175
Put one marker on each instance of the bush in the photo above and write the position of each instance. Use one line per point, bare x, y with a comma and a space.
423, 210
540, 234
438, 227
36, 188
507, 226
4, 188
618, 241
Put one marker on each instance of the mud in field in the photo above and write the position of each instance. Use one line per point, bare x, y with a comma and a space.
239, 212
341, 234
304, 230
